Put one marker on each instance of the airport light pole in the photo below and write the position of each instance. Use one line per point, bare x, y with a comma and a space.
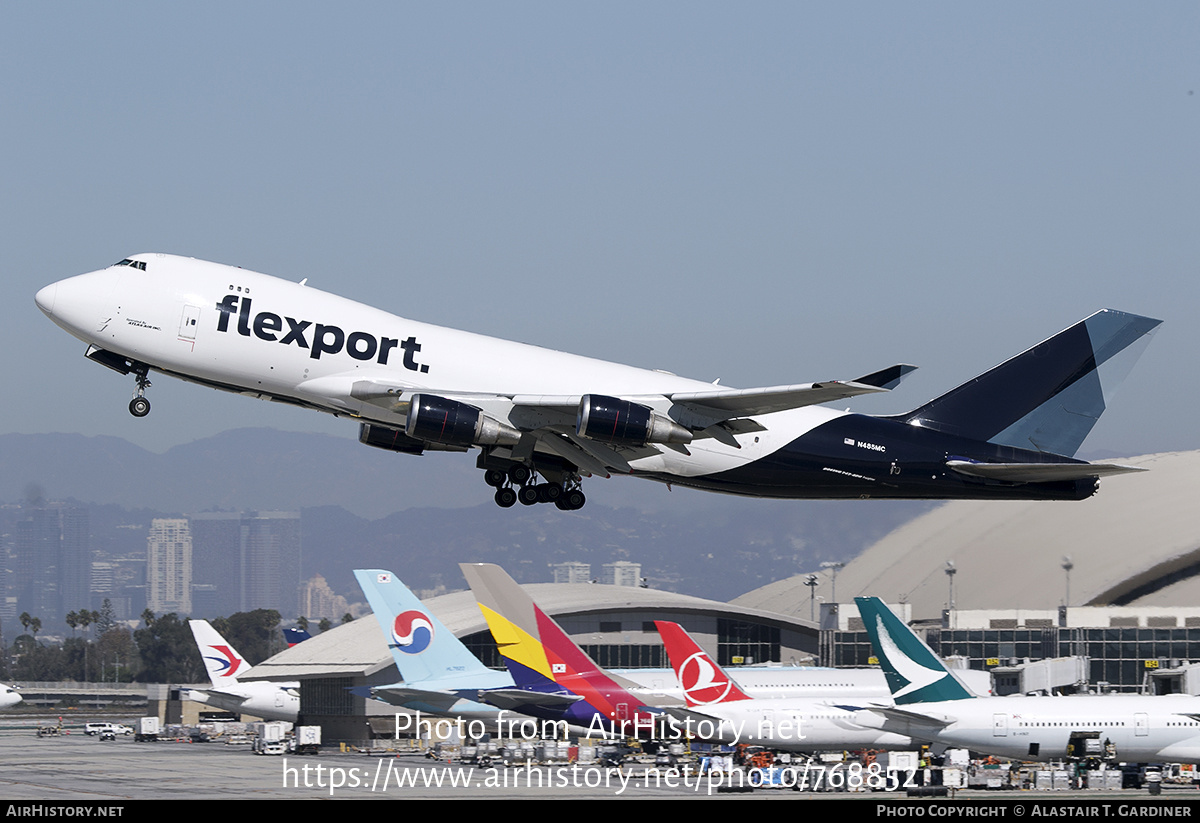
811, 581
950, 572
1067, 565
833, 566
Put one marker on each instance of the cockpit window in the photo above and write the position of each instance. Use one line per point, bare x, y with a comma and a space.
137, 264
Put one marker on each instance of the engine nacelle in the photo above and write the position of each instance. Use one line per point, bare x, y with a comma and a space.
384, 438
441, 420
612, 420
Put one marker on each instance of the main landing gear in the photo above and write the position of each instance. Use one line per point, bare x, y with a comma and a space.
139, 406
518, 484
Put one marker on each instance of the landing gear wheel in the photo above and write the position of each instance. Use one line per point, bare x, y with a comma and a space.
494, 477
573, 500
549, 493
519, 474
139, 407
528, 495
505, 497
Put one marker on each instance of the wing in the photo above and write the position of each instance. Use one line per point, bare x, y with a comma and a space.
595, 434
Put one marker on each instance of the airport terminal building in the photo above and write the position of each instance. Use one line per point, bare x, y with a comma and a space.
1088, 596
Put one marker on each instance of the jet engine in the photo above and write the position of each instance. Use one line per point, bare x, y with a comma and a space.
612, 420
382, 437
441, 420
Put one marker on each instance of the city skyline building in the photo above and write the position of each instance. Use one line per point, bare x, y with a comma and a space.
169, 566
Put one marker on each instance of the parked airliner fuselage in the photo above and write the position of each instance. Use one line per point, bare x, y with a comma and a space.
1136, 728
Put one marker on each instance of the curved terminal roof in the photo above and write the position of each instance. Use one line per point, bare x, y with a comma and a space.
1136, 543
358, 648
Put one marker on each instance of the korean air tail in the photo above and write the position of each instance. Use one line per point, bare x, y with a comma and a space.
1049, 397
913, 672
702, 680
222, 660
422, 648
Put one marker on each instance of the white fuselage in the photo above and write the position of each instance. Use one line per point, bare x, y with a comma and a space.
1140, 728
794, 725
263, 336
9, 697
269, 701
799, 683
415, 386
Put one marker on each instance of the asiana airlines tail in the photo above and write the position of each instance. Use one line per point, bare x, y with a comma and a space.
542, 420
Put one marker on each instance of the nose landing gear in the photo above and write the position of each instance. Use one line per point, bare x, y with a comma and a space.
139, 406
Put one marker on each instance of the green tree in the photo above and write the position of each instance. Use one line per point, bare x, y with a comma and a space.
106, 619
167, 651
254, 634
116, 656
38, 662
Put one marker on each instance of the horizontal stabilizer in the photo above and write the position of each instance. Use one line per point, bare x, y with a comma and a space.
514, 699
240, 697
429, 700
1039, 472
909, 716
684, 715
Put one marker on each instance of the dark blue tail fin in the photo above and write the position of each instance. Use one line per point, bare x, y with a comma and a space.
1048, 398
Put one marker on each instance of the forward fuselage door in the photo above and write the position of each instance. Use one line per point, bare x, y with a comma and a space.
1000, 725
188, 323
1141, 724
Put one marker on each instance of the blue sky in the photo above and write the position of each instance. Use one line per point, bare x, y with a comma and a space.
764, 193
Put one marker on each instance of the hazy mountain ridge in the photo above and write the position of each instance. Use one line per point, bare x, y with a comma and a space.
363, 507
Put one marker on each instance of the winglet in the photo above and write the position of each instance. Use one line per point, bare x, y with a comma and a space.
888, 378
914, 673
702, 680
